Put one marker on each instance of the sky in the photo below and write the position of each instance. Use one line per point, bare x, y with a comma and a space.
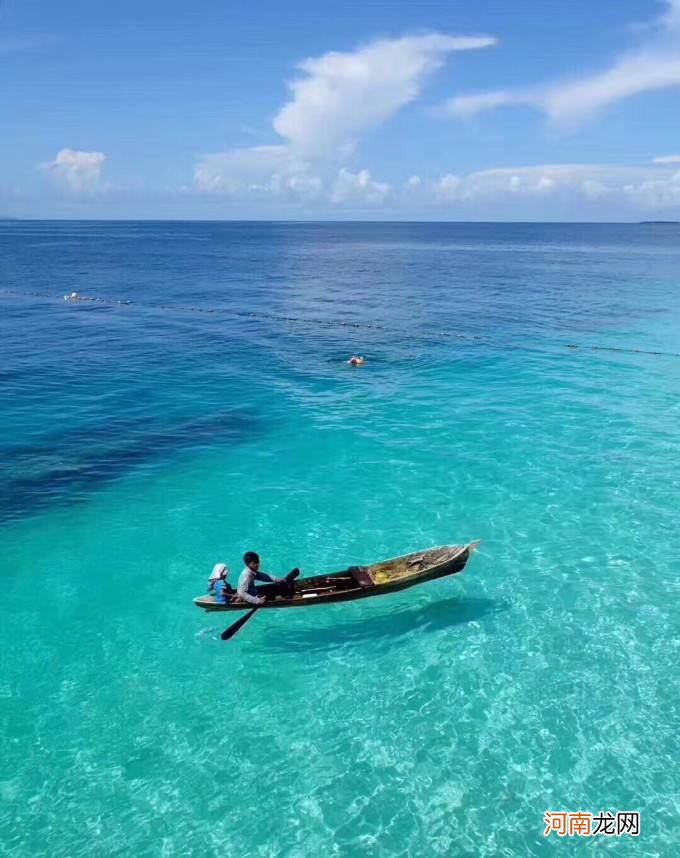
393, 110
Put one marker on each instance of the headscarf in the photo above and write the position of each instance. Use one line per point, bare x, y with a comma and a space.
219, 570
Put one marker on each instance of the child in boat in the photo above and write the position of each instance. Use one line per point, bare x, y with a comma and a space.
217, 584
248, 592
356, 360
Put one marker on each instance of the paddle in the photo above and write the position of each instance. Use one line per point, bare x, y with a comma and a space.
231, 631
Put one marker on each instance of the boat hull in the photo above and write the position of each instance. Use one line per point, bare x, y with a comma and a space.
389, 576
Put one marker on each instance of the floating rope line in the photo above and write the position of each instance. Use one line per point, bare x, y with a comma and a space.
329, 323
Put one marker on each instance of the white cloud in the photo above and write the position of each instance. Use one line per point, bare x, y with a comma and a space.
448, 187
671, 19
78, 171
345, 94
465, 106
655, 65
358, 188
667, 159
338, 97
661, 193
254, 170
644, 188
544, 190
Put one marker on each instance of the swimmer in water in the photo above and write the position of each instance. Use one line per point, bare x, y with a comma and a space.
355, 360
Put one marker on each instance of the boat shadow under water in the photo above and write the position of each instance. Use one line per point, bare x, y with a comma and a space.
430, 618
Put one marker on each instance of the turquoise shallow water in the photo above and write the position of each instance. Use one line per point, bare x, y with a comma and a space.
142, 443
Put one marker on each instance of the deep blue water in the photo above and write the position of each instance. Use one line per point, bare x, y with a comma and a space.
211, 411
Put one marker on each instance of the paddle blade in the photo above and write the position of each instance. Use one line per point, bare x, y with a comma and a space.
231, 631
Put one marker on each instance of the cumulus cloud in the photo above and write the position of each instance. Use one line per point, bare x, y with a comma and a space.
464, 106
644, 188
654, 65
345, 94
358, 188
338, 97
77, 171
543, 190
260, 169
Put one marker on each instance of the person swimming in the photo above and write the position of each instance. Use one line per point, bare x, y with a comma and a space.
356, 360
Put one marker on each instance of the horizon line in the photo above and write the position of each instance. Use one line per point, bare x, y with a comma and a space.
13, 219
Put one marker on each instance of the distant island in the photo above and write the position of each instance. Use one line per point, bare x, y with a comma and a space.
676, 222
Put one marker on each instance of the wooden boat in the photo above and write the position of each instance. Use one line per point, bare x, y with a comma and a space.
360, 582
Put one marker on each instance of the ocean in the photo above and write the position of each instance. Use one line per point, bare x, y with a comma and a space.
521, 386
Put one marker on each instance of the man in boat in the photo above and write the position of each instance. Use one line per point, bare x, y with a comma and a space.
248, 592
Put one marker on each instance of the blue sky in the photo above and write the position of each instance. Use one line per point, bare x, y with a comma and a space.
523, 110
